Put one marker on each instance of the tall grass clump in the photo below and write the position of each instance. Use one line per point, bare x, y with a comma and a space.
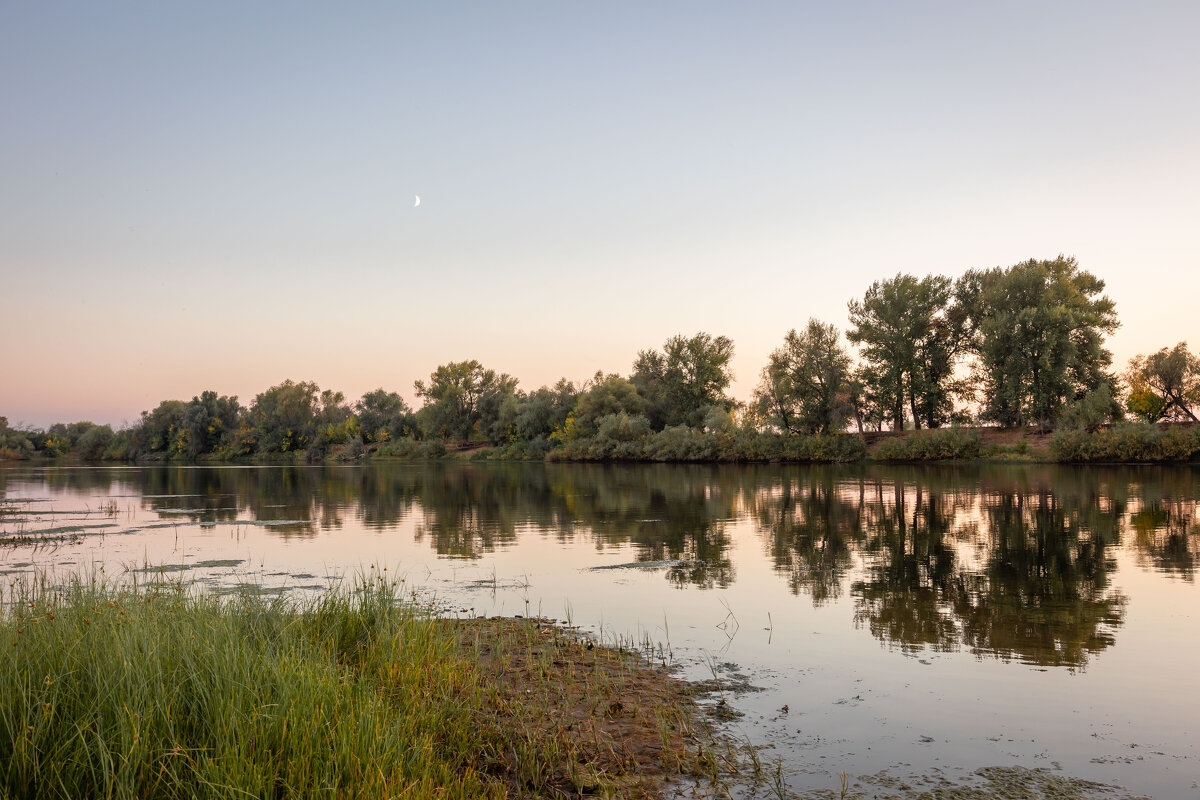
155, 691
151, 691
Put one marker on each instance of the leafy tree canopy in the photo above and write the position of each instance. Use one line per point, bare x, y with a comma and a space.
909, 337
1038, 330
463, 398
1165, 384
384, 415
603, 396
286, 415
688, 376
805, 386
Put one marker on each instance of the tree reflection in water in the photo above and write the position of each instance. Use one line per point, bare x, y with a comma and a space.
1012, 562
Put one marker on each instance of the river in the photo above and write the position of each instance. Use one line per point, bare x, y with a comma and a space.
908, 626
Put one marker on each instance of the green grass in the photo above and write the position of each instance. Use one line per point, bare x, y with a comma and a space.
152, 691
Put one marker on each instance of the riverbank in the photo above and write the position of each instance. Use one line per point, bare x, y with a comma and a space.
1123, 443
154, 691
1126, 443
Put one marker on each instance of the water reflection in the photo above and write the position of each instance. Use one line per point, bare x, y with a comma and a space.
1006, 562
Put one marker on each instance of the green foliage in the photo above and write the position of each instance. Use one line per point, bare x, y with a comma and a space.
534, 416
603, 396
463, 400
412, 449
153, 692
1165, 384
1143, 403
936, 445
1037, 328
343, 432
119, 448
1096, 408
805, 387
1127, 443
519, 450
56, 445
909, 338
14, 444
93, 442
160, 429
630, 439
285, 416
679, 443
688, 376
384, 416
211, 421
175, 429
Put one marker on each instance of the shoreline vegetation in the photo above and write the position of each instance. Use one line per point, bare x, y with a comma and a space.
1001, 364
152, 690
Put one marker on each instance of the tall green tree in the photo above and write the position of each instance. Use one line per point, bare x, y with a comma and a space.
533, 417
159, 431
909, 337
685, 379
210, 421
285, 416
463, 399
384, 415
602, 396
1037, 329
806, 385
1165, 384
14, 443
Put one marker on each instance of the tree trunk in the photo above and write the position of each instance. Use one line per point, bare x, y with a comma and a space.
912, 404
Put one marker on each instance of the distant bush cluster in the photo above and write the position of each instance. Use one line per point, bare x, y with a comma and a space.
631, 440
1014, 347
1129, 442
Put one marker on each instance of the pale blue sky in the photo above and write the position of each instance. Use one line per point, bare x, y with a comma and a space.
220, 195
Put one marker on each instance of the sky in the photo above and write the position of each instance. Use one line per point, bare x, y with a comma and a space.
221, 195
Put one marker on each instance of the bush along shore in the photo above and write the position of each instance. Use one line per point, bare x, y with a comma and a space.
153, 691
1121, 443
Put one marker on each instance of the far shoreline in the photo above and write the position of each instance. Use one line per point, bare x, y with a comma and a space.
1108, 445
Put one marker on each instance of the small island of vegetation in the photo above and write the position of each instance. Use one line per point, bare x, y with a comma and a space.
1004, 363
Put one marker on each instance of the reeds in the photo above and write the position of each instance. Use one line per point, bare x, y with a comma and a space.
153, 691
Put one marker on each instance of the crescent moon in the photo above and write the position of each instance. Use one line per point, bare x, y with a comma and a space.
416, 200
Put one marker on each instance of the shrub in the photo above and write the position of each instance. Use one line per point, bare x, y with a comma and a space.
1130, 442
94, 442
679, 443
411, 448
936, 445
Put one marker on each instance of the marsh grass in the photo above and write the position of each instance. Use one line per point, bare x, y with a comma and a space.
154, 691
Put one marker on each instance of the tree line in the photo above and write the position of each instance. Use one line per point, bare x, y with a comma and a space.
1013, 347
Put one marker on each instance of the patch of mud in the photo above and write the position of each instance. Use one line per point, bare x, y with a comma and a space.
252, 589
988, 783
64, 529
213, 564
715, 693
667, 564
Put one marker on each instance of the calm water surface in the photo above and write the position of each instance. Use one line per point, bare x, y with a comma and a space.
918, 623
